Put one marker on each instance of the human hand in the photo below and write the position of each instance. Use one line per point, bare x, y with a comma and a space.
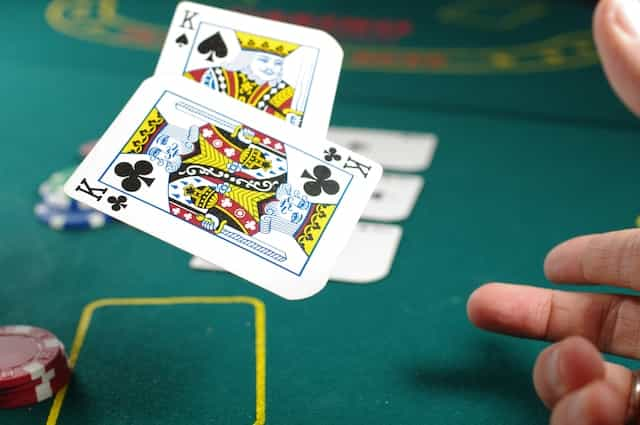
570, 376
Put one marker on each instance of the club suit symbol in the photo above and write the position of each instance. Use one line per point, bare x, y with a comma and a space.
117, 203
320, 182
134, 175
331, 154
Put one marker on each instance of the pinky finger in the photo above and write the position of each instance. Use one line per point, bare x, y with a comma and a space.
594, 404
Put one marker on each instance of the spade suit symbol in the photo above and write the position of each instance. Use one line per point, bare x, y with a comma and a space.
214, 45
182, 40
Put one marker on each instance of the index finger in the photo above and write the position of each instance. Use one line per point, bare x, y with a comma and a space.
611, 322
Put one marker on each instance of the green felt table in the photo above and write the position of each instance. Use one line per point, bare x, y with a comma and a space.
533, 148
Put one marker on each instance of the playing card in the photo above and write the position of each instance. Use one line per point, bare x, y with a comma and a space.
367, 258
394, 197
285, 70
369, 254
198, 263
394, 150
269, 202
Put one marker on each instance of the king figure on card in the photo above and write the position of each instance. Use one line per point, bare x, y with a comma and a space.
230, 181
269, 202
256, 75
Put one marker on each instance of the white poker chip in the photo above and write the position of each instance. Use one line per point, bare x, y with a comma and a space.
52, 189
60, 219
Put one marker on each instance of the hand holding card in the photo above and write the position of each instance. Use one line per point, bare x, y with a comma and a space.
269, 202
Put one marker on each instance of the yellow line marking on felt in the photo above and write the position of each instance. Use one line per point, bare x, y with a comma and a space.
486, 15
260, 340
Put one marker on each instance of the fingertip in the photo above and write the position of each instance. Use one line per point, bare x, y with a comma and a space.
581, 362
553, 262
545, 389
604, 405
565, 367
600, 14
563, 263
616, 30
475, 303
481, 304
517, 310
595, 404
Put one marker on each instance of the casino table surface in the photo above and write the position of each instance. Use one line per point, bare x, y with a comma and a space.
533, 148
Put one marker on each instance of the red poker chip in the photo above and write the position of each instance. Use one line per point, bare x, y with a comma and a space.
50, 383
25, 354
85, 148
60, 363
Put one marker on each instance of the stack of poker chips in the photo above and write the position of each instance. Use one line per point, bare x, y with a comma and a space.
33, 366
60, 212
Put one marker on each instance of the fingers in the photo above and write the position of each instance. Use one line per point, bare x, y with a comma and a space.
565, 367
570, 365
610, 322
616, 28
608, 258
595, 404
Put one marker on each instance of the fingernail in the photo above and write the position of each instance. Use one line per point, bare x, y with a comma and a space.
553, 373
575, 409
627, 16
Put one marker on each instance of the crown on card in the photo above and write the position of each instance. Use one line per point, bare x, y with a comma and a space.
265, 44
253, 158
203, 197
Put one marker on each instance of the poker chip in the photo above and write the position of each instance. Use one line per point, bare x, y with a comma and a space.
85, 148
45, 390
33, 366
70, 219
51, 370
52, 191
61, 201
61, 212
55, 181
26, 352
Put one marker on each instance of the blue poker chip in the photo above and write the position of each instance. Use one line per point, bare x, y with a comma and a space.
52, 192
60, 201
70, 219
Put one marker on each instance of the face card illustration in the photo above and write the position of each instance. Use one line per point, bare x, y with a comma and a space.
394, 197
395, 150
268, 202
368, 257
287, 71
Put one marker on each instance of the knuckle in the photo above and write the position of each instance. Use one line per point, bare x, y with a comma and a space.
620, 329
628, 262
606, 325
597, 259
613, 258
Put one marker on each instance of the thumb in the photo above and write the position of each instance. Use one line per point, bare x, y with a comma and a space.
616, 28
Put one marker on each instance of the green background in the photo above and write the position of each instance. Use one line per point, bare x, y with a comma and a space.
523, 162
